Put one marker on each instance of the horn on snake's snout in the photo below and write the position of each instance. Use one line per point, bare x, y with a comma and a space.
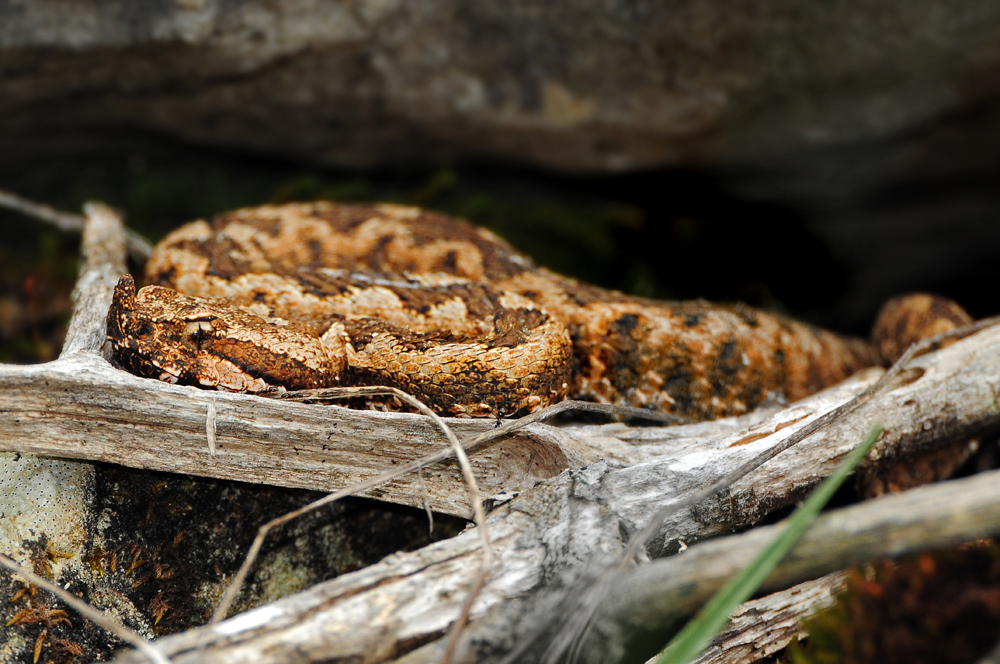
124, 297
122, 303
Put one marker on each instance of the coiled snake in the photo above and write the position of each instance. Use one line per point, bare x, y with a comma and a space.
318, 295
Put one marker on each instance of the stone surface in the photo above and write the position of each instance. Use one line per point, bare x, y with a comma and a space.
44, 500
156, 551
575, 85
876, 122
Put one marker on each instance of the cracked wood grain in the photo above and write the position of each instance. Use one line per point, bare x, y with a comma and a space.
762, 627
81, 407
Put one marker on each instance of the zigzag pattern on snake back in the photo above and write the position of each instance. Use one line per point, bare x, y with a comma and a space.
317, 295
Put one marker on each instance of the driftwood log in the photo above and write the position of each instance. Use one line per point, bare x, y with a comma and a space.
568, 498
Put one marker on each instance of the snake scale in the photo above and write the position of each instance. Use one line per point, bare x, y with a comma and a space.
315, 295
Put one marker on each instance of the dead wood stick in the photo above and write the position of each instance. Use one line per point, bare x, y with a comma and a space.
56, 408
102, 263
583, 602
63, 516
456, 449
64, 221
762, 627
930, 517
541, 535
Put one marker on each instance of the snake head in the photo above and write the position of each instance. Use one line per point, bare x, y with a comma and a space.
160, 333
144, 335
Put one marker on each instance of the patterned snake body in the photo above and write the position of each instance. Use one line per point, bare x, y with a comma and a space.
314, 295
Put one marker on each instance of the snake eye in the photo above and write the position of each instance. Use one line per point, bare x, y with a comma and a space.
197, 334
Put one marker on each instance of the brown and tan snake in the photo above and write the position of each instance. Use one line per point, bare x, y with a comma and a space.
316, 295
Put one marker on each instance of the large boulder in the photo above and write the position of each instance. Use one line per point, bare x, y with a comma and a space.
877, 122
572, 85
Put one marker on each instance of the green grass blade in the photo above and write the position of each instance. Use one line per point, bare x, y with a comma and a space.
712, 617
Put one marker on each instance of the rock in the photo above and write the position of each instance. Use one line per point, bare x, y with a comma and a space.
156, 551
573, 85
876, 122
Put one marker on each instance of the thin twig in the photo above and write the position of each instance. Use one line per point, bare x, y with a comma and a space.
456, 449
425, 501
154, 654
64, 221
479, 516
138, 246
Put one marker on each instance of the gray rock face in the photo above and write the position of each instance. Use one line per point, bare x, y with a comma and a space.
574, 85
876, 121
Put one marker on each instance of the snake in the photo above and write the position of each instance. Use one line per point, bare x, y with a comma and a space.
316, 295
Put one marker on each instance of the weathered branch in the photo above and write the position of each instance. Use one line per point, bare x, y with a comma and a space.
762, 627
64, 221
81, 407
55, 409
930, 517
49, 501
385, 611
102, 263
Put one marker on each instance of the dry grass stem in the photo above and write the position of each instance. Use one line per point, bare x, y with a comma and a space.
87, 611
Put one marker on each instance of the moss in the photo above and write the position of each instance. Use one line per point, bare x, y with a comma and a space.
938, 608
171, 543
